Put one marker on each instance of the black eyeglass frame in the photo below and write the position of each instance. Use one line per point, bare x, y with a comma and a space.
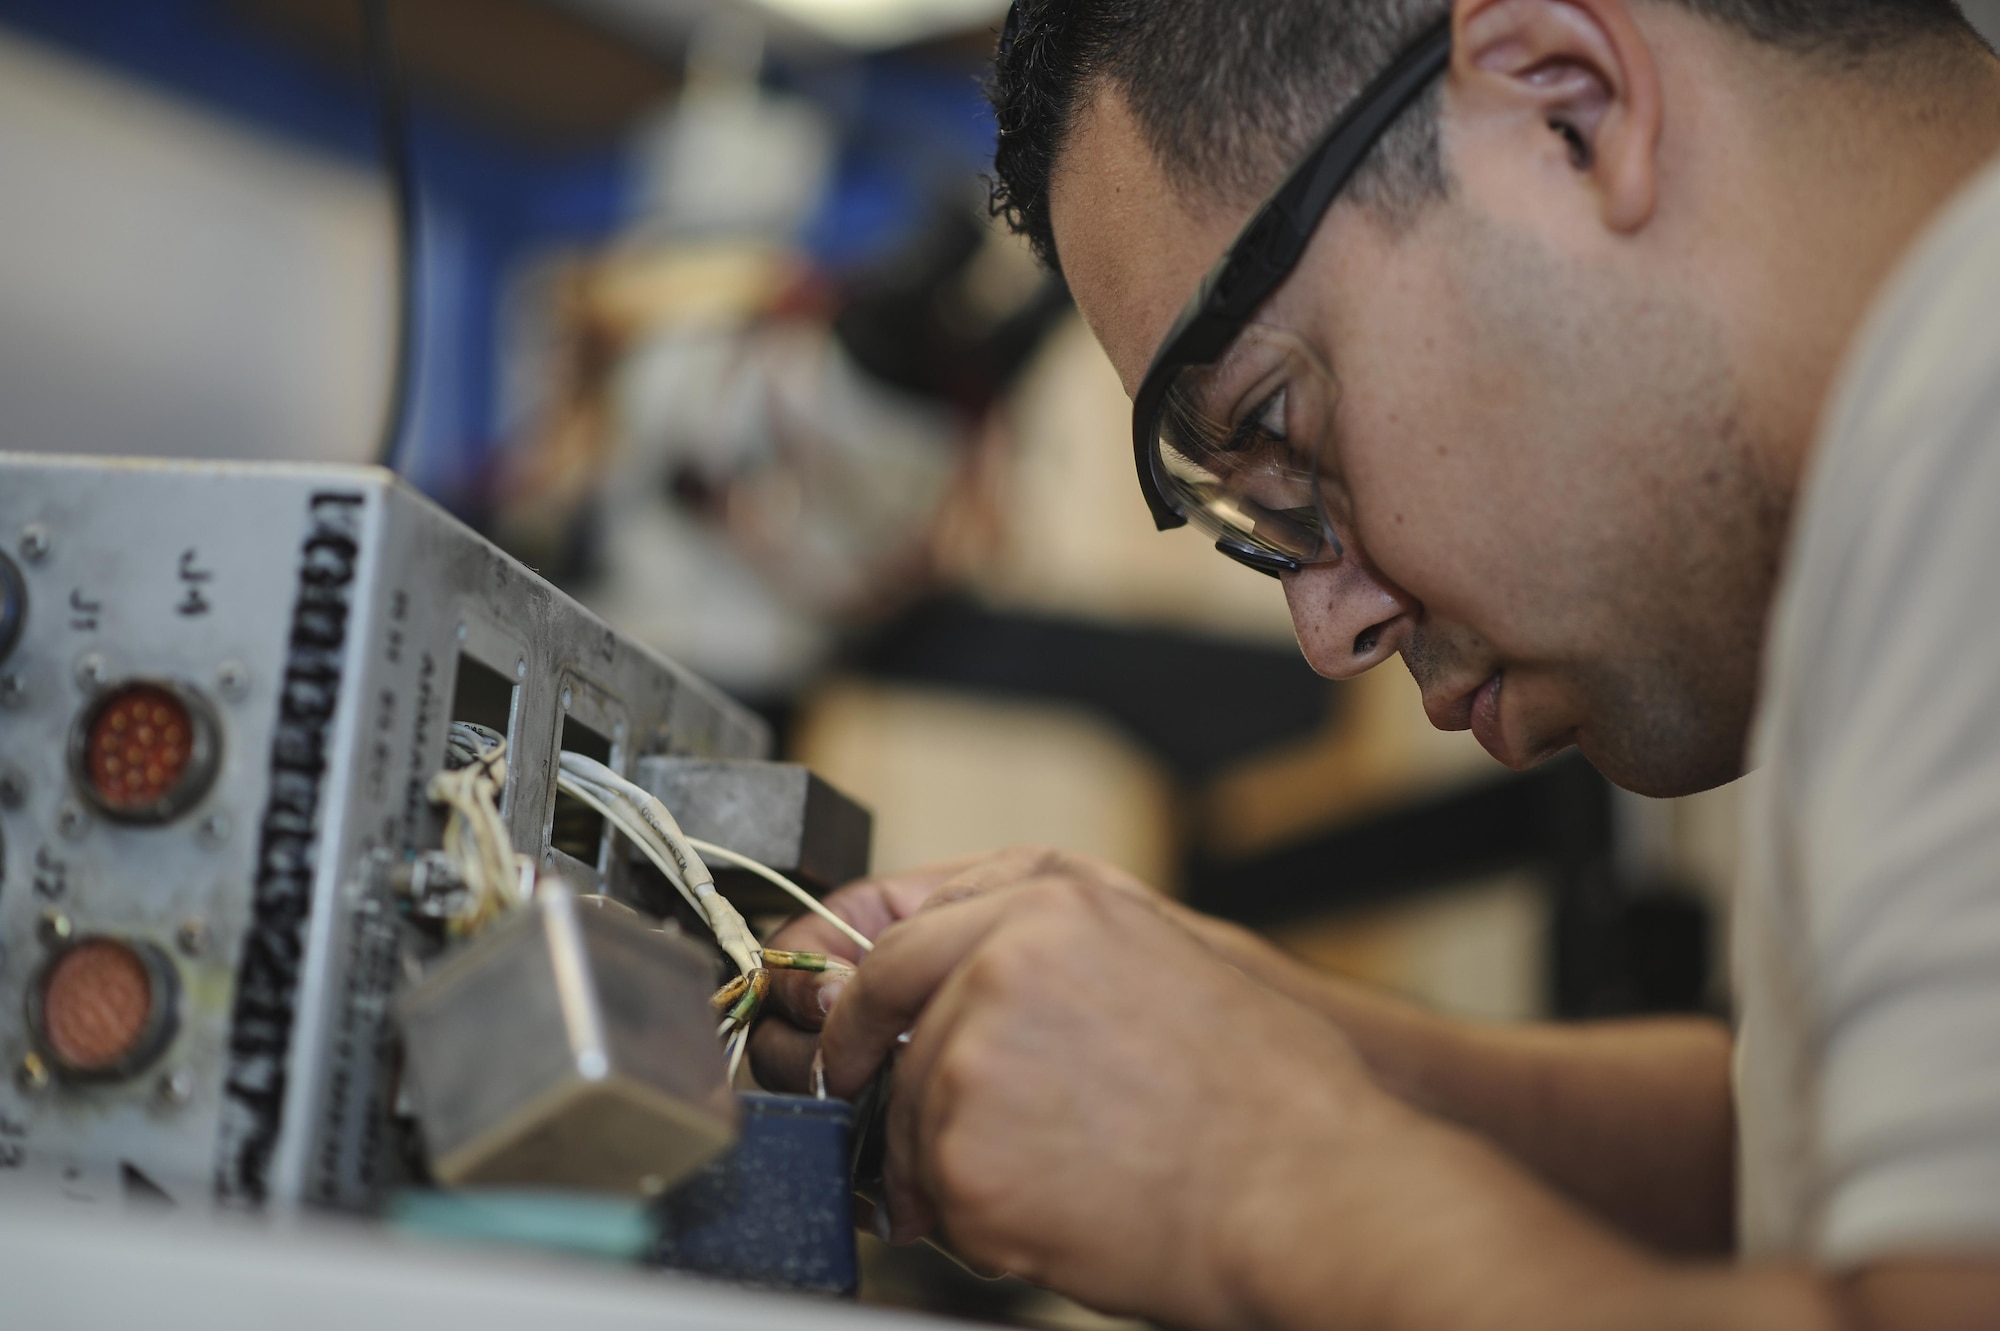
1263, 255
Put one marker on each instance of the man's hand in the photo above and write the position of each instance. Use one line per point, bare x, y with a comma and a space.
1146, 1110
782, 1051
1089, 1088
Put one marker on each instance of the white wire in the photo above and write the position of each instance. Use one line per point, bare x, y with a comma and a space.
650, 825
596, 798
659, 838
476, 837
656, 815
721, 917
736, 1053
804, 898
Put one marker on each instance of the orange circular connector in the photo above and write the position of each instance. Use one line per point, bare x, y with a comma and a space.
145, 752
104, 1007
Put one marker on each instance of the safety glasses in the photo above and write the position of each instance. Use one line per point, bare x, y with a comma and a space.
1232, 422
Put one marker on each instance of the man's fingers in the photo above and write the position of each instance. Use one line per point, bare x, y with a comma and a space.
910, 1216
803, 998
1020, 864
883, 999
992, 873
859, 904
871, 906
897, 896
913, 1104
781, 1056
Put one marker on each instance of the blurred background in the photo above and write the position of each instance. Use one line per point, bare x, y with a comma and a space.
708, 323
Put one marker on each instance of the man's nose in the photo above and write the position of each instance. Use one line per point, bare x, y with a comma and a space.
1349, 618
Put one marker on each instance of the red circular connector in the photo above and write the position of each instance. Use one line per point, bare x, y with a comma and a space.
98, 1006
140, 746
145, 751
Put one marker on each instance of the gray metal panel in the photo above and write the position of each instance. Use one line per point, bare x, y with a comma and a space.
154, 571
366, 593
779, 814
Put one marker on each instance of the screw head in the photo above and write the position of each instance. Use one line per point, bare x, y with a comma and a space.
174, 1088
35, 543
56, 928
72, 822
232, 681
13, 691
13, 787
214, 830
90, 672
32, 1076
192, 936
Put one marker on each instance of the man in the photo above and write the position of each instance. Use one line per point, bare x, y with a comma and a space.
1627, 367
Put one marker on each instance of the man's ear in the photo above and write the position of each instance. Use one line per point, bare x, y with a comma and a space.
1580, 73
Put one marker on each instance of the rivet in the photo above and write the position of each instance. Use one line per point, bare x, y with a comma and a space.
214, 830
192, 936
35, 543
175, 1088
90, 672
13, 691
56, 928
521, 668
232, 681
565, 697
72, 822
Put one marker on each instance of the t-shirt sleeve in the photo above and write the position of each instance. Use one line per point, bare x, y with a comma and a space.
1891, 802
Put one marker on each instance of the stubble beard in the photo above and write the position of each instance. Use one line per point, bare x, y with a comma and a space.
1672, 604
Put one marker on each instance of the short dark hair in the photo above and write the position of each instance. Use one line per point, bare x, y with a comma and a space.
1229, 91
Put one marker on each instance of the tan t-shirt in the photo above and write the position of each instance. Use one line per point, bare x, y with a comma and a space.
1868, 918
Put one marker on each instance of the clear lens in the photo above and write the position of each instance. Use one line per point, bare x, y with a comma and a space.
1240, 446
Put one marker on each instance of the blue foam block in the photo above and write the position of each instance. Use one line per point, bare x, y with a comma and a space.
778, 1209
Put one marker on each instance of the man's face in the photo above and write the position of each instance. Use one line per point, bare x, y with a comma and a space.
1542, 464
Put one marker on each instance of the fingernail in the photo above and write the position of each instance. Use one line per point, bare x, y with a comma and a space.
829, 994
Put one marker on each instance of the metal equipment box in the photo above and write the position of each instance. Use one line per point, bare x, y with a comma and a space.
223, 690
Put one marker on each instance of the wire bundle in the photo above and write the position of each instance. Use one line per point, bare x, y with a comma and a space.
638, 813
714, 852
475, 837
